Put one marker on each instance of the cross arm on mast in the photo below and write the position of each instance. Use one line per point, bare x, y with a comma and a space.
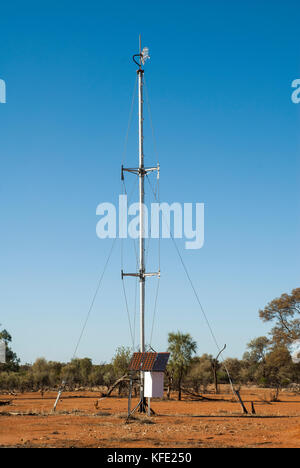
140, 275
139, 170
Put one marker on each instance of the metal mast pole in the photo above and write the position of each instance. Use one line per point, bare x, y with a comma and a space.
141, 171
140, 73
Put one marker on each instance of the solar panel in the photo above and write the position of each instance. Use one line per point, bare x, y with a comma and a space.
161, 362
135, 362
149, 362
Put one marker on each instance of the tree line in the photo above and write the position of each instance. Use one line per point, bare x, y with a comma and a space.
266, 362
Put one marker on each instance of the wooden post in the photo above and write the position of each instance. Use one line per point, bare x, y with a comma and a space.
241, 401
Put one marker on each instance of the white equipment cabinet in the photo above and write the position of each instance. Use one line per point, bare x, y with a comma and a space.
154, 384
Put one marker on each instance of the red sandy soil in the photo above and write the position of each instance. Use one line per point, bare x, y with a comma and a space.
28, 421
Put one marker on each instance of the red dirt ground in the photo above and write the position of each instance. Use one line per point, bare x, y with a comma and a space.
28, 422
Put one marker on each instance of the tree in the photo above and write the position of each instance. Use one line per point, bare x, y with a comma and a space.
86, 367
120, 364
255, 360
40, 372
181, 347
285, 312
108, 375
280, 369
12, 361
54, 370
258, 349
96, 377
199, 375
121, 361
233, 366
77, 371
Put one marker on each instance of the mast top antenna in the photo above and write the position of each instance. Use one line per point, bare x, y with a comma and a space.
143, 55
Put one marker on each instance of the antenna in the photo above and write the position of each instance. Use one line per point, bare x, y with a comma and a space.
143, 55
140, 43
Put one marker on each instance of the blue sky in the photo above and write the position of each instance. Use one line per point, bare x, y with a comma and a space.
227, 135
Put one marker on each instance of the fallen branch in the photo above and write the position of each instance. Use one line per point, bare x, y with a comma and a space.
5, 402
198, 395
124, 378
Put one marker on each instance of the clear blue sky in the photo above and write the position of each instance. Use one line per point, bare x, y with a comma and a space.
227, 133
